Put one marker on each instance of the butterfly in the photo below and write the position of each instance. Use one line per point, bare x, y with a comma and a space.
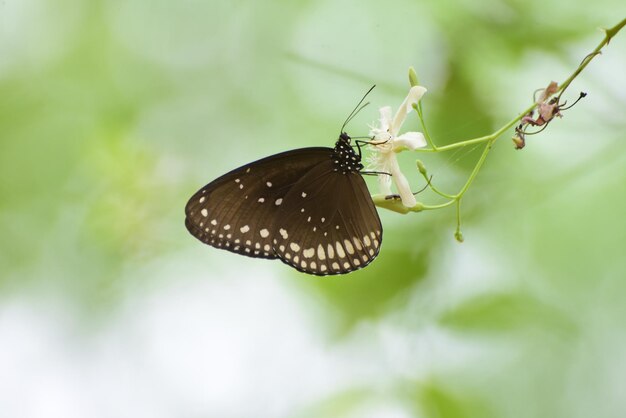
308, 207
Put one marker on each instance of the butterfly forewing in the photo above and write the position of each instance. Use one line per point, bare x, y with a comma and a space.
328, 223
308, 207
236, 212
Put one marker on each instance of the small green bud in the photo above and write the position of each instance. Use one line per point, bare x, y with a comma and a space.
421, 167
458, 235
413, 77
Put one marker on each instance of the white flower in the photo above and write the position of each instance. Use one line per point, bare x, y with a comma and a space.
388, 143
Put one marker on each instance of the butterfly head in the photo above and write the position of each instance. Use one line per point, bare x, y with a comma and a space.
345, 159
345, 138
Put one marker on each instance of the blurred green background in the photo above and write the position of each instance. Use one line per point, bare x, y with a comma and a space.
113, 113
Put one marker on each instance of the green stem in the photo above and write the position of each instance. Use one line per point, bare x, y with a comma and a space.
481, 139
458, 234
414, 81
429, 141
476, 169
397, 206
609, 34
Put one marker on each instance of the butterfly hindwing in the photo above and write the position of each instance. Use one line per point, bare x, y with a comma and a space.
308, 207
236, 211
328, 223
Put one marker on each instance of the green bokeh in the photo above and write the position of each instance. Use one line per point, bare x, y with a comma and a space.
112, 113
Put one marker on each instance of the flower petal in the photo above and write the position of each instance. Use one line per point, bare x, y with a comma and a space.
415, 94
402, 184
545, 94
384, 184
410, 141
385, 117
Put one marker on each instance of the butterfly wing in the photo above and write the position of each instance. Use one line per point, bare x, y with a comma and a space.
236, 211
328, 223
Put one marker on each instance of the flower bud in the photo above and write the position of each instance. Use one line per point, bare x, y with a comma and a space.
413, 77
421, 167
519, 141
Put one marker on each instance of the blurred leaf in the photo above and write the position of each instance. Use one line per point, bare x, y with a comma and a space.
384, 285
506, 312
339, 404
371, 292
437, 402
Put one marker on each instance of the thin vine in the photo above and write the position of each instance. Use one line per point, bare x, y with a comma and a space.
548, 106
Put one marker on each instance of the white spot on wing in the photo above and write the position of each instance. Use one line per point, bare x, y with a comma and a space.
320, 252
264, 233
204, 212
366, 241
202, 199
278, 201
227, 227
261, 200
269, 184
303, 194
214, 222
294, 247
340, 251
244, 229
348, 245
331, 251
308, 253
283, 233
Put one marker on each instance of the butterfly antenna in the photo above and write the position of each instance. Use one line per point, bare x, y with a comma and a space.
357, 108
